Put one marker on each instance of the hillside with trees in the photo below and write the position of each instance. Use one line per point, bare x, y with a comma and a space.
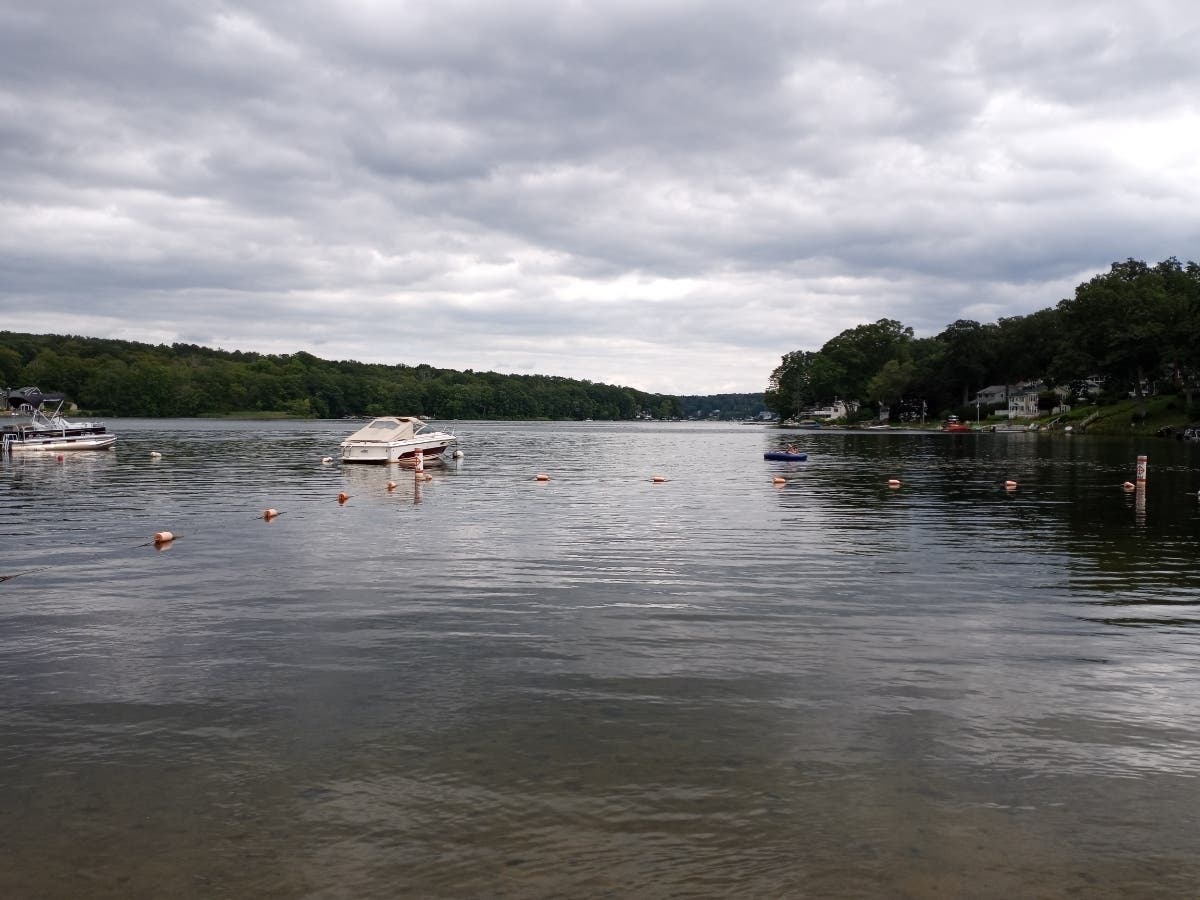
123, 378
1136, 328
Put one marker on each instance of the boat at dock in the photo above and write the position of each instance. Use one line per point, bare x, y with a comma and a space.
396, 439
29, 425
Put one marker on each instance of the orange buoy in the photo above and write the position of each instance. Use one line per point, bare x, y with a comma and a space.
163, 537
779, 479
343, 497
1010, 485
542, 476
269, 514
391, 485
658, 479
1129, 486
893, 482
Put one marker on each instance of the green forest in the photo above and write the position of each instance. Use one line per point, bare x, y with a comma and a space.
1134, 330
123, 378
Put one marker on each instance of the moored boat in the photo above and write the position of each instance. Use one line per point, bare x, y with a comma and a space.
396, 439
26, 426
955, 425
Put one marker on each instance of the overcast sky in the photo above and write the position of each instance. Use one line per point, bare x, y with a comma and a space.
666, 195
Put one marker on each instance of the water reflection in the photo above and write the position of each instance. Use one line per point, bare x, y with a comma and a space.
597, 685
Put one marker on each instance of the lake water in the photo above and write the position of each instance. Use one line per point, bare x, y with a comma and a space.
600, 686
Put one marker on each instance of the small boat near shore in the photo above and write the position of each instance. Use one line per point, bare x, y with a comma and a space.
396, 439
26, 426
954, 425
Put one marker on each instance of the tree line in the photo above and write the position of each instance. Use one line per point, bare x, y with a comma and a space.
1136, 328
125, 378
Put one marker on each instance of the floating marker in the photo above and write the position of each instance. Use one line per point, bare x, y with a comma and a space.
420, 459
60, 458
779, 479
893, 482
391, 485
658, 479
423, 476
326, 460
163, 537
154, 454
343, 497
1141, 471
269, 514
458, 454
1010, 485
1129, 486
542, 476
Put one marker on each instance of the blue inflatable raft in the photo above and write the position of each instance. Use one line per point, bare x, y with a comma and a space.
784, 456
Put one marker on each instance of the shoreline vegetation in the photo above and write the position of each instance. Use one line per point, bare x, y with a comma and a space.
1122, 356
1131, 334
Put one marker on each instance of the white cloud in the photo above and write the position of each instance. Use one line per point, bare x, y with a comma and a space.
659, 194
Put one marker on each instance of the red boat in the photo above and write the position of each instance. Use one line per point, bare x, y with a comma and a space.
953, 424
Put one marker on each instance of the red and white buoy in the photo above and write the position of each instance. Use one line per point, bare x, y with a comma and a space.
269, 514
419, 457
163, 537
893, 482
343, 497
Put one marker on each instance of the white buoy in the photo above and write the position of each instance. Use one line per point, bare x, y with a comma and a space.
154, 454
458, 454
326, 460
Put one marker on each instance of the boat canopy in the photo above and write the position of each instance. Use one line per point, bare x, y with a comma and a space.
26, 396
389, 428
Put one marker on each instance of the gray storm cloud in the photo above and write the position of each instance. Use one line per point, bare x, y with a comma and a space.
664, 195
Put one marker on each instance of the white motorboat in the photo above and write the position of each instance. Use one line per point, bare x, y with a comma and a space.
396, 439
26, 426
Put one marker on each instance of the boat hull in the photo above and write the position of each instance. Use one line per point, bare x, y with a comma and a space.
51, 443
403, 453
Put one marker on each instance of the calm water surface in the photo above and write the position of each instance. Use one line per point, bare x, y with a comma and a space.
597, 686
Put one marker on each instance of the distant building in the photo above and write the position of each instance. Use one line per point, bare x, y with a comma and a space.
1023, 405
838, 409
992, 395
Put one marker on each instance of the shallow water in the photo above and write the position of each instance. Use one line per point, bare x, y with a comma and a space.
596, 686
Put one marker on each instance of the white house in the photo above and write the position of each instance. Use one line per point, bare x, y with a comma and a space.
992, 395
1023, 405
838, 409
